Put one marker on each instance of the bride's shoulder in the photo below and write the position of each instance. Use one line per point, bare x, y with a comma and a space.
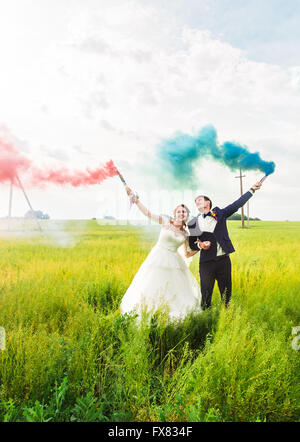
178, 232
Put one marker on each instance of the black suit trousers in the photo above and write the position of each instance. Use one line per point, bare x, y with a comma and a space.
211, 271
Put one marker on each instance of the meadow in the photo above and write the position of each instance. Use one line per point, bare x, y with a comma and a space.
71, 356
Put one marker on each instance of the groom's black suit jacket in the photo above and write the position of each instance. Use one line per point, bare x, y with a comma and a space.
220, 233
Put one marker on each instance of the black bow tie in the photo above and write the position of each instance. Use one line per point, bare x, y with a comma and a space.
206, 214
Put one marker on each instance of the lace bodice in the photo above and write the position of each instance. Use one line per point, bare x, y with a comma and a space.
170, 237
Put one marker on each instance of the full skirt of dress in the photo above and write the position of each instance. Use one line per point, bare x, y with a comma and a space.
163, 282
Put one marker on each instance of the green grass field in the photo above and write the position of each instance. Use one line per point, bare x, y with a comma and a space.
71, 356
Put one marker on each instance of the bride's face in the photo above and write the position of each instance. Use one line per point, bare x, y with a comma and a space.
181, 215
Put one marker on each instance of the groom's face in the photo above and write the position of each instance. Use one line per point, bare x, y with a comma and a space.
201, 204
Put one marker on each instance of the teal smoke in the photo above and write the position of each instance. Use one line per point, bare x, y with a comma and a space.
179, 154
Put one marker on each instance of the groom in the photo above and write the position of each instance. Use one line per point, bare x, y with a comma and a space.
210, 227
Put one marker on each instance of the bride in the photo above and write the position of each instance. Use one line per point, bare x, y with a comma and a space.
164, 281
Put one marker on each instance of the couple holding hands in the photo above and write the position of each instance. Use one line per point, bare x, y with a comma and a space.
164, 279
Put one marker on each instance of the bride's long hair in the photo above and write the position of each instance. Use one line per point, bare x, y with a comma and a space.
187, 211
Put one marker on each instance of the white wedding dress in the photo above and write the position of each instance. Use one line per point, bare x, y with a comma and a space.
164, 279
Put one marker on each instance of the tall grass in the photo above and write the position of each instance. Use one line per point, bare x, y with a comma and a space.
71, 356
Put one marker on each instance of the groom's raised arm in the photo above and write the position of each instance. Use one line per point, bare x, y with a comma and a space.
234, 207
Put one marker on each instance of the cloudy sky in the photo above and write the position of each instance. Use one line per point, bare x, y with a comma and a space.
83, 81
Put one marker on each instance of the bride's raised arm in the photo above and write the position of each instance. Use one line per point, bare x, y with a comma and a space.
156, 218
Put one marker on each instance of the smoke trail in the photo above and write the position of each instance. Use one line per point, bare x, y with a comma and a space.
12, 163
74, 178
178, 155
56, 233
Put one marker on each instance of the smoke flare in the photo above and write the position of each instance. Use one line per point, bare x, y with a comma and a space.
11, 162
74, 178
14, 163
178, 155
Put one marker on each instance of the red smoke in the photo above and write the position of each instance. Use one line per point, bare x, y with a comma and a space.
75, 178
13, 163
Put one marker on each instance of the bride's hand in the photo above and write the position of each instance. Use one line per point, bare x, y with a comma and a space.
132, 196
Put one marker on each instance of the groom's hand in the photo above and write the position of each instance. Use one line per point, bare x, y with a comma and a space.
256, 186
205, 245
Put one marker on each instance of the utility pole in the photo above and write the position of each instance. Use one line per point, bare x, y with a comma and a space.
30, 206
248, 214
241, 188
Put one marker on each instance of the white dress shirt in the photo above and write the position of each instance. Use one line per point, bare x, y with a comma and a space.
208, 224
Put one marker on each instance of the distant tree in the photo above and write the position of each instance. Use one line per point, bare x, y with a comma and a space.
237, 217
109, 217
36, 213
